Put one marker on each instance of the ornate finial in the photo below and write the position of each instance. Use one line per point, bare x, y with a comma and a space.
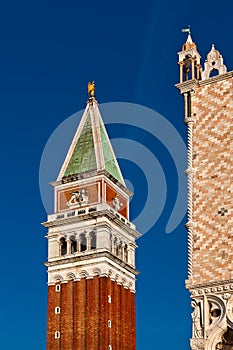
186, 30
189, 44
213, 64
91, 89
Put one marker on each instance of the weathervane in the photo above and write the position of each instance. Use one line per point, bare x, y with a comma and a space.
186, 30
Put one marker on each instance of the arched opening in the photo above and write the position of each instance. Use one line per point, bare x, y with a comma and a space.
117, 250
63, 246
227, 340
73, 246
83, 242
92, 240
213, 73
125, 253
187, 67
120, 250
115, 246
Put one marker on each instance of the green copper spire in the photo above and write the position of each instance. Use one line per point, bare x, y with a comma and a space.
83, 156
91, 149
110, 162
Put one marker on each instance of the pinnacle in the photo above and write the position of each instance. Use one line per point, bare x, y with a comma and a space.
91, 149
189, 39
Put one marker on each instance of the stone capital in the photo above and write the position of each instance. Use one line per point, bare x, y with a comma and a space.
197, 343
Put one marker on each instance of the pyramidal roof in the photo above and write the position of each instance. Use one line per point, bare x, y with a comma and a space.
91, 149
189, 44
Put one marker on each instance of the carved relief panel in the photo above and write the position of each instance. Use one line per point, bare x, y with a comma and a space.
116, 200
77, 196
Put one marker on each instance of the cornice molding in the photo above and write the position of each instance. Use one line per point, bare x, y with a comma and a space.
104, 268
88, 257
189, 85
209, 287
192, 85
216, 78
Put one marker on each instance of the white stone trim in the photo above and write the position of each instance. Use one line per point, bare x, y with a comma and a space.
57, 288
63, 219
102, 267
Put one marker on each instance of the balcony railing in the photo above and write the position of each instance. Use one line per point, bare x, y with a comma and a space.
91, 210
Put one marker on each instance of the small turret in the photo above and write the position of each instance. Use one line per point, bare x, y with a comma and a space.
213, 63
189, 60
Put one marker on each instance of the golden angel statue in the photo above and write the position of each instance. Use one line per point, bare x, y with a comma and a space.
91, 89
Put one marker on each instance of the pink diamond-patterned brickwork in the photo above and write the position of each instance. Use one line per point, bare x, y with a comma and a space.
212, 181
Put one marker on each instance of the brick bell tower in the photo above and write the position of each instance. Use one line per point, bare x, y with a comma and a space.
91, 246
208, 111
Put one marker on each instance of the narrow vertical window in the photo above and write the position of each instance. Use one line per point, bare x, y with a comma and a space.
109, 324
57, 310
57, 288
109, 299
57, 335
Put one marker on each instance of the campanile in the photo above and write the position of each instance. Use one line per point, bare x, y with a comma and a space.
208, 112
91, 246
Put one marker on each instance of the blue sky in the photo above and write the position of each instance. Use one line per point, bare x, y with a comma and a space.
49, 51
